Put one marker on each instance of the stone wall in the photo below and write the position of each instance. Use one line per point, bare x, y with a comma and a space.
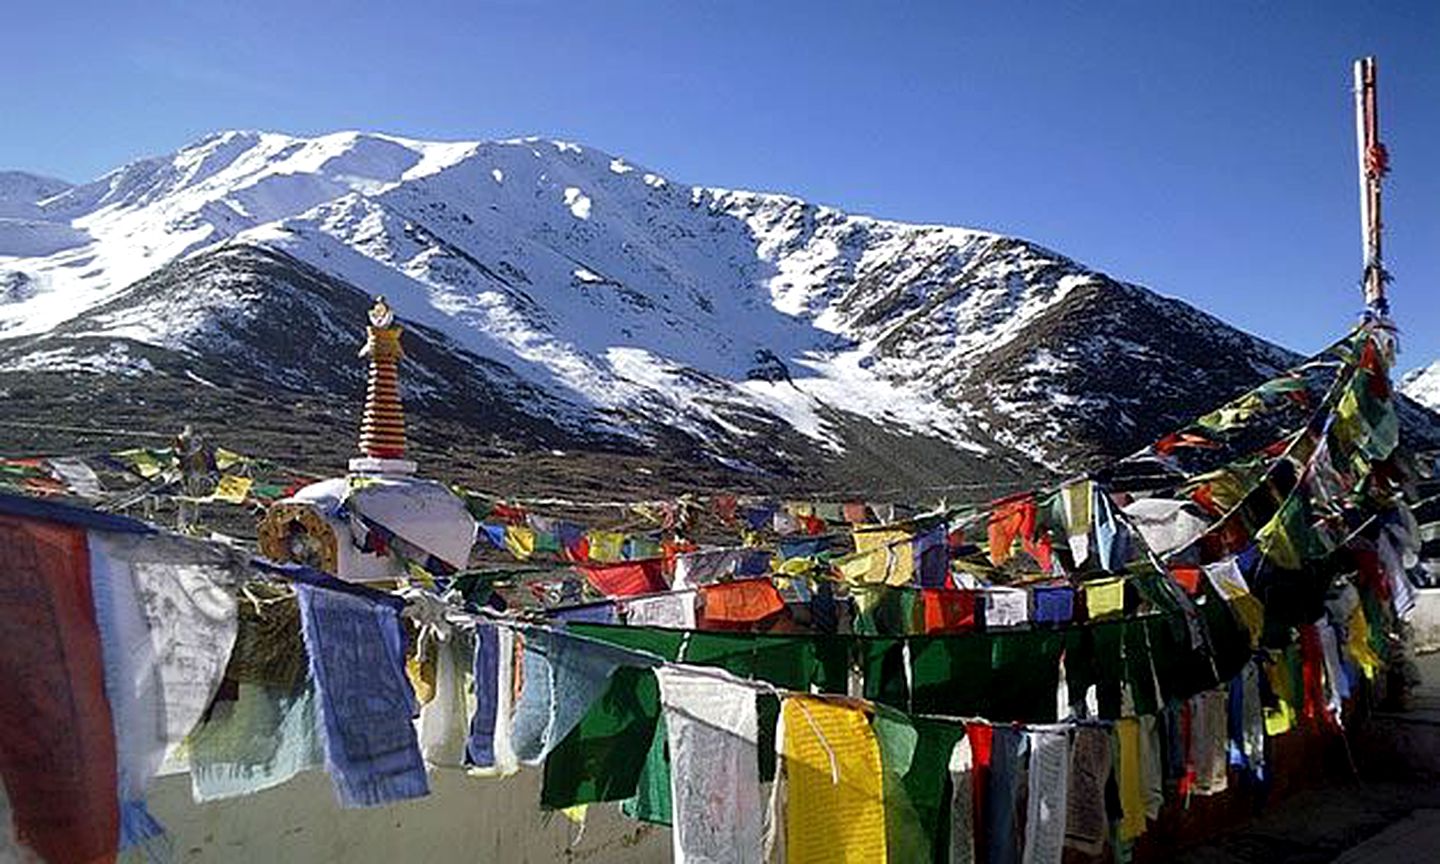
464, 819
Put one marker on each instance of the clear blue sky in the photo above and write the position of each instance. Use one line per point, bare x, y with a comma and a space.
1204, 149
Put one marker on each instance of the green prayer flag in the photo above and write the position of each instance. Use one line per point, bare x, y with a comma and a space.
651, 801
596, 761
914, 760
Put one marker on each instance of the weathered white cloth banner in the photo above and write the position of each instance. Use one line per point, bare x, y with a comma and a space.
962, 804
1006, 607
704, 566
675, 611
713, 732
1152, 777
1166, 524
444, 724
167, 619
1049, 789
255, 742
1087, 824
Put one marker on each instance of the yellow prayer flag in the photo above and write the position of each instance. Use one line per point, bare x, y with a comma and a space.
226, 458
836, 798
422, 677
232, 489
1132, 792
1104, 596
606, 546
1251, 614
1357, 643
142, 462
863, 568
1276, 543
895, 554
1279, 720
520, 540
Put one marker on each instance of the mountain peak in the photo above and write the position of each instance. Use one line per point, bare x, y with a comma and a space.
23, 193
1423, 385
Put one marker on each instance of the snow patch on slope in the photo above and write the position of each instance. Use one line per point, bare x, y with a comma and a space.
1423, 385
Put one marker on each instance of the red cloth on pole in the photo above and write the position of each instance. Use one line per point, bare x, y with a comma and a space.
626, 578
57, 747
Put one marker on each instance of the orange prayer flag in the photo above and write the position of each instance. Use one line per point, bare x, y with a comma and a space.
745, 601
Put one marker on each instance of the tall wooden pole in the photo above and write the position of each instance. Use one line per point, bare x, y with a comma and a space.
1374, 164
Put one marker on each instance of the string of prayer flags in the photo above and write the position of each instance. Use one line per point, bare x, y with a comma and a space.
704, 566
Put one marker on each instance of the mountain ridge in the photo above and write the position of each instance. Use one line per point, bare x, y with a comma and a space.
590, 302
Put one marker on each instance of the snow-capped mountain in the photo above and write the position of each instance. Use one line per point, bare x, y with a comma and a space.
558, 296
1423, 385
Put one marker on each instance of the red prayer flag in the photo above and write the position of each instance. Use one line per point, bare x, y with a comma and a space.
1188, 576
1312, 659
1009, 519
511, 514
57, 753
626, 578
670, 549
725, 507
947, 611
855, 512
980, 735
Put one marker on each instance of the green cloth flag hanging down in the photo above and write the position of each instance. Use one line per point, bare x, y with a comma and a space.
1010, 676
914, 760
596, 761
651, 801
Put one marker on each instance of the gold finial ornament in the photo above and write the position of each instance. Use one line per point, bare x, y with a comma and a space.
382, 431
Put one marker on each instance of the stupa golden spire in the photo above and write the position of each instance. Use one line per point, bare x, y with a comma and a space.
382, 431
